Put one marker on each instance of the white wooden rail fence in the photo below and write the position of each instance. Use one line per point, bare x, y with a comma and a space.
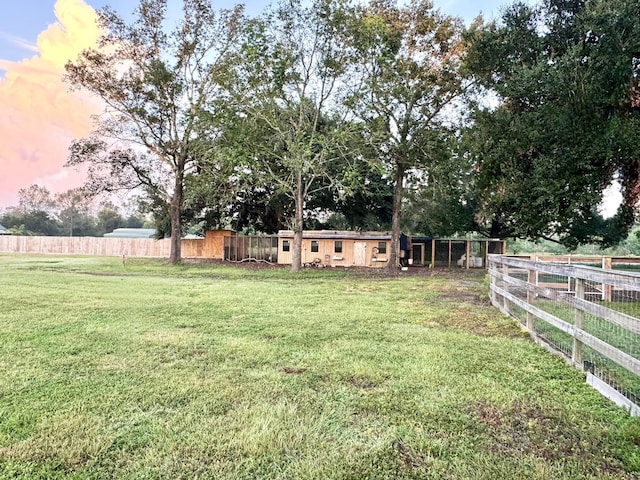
516, 291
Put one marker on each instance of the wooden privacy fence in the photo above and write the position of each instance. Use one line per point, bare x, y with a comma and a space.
590, 315
99, 246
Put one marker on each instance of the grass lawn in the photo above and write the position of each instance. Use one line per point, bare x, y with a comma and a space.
205, 371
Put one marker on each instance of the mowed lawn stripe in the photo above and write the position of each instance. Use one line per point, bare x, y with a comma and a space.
205, 371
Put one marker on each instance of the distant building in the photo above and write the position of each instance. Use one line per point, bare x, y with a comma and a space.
4, 231
132, 233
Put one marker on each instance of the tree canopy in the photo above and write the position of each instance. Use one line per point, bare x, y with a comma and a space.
566, 121
285, 126
409, 60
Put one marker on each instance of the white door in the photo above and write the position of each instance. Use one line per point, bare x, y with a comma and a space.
360, 253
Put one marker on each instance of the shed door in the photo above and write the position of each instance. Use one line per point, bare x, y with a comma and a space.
360, 253
417, 253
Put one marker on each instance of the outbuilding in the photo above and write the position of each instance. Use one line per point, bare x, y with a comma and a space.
4, 231
337, 248
132, 233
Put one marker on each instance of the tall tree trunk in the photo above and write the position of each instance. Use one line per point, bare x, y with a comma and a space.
296, 259
174, 212
398, 192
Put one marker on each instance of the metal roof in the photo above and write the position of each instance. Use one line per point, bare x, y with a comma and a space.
337, 235
132, 233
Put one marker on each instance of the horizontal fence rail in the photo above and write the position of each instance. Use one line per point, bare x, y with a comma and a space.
590, 315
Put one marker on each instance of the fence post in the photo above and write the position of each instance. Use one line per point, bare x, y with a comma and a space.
607, 290
433, 254
505, 285
576, 354
492, 296
531, 278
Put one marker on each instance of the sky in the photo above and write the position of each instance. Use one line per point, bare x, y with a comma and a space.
40, 116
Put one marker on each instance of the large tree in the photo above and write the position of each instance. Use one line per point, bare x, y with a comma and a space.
409, 58
154, 85
74, 213
564, 124
35, 198
287, 126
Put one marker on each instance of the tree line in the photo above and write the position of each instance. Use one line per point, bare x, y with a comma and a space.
370, 115
70, 214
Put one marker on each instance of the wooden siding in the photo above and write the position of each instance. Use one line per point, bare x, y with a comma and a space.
215, 243
327, 255
211, 246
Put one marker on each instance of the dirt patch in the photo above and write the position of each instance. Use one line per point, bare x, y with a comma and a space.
363, 383
293, 370
522, 429
409, 458
464, 296
421, 272
247, 264
365, 272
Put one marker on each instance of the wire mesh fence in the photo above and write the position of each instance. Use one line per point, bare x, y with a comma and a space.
453, 253
589, 314
259, 248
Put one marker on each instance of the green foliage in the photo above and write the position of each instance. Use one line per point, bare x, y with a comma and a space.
348, 115
408, 58
70, 213
74, 213
566, 123
283, 124
633, 241
31, 223
442, 202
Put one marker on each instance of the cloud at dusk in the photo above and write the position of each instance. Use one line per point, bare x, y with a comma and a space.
39, 116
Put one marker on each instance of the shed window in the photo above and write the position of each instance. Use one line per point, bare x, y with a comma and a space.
382, 247
286, 245
314, 246
337, 246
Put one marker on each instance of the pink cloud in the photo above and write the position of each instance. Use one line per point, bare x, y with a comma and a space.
39, 116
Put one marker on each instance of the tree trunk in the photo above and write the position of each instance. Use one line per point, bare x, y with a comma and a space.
296, 258
497, 230
398, 192
174, 212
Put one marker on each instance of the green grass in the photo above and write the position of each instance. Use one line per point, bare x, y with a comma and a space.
203, 371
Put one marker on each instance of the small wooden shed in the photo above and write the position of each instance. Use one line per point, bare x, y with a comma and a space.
211, 246
337, 248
